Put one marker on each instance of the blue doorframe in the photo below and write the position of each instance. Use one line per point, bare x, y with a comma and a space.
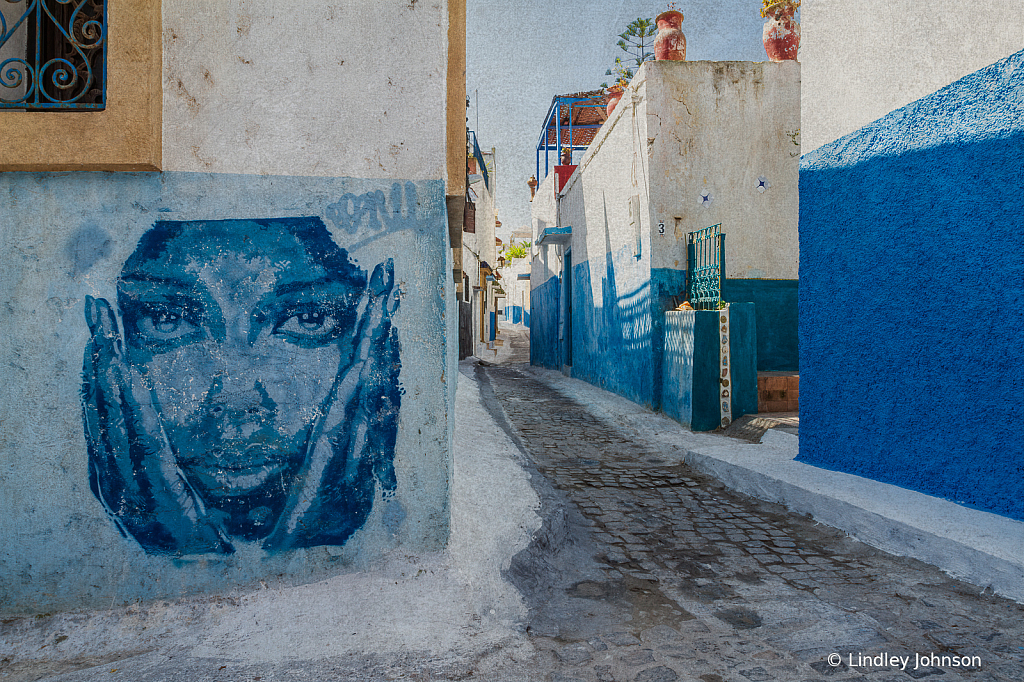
567, 336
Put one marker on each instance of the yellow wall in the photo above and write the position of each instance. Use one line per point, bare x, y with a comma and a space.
456, 97
126, 136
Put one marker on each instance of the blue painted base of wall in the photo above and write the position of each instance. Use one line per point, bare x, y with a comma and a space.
691, 389
516, 315
776, 307
912, 296
544, 301
667, 285
612, 344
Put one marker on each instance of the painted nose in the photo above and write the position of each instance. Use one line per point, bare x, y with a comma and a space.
240, 394
236, 406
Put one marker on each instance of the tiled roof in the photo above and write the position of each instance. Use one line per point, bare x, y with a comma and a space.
589, 112
580, 136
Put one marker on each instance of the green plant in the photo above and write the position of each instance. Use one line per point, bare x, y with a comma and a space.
516, 250
635, 41
771, 7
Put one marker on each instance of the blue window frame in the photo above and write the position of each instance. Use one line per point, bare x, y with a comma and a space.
53, 54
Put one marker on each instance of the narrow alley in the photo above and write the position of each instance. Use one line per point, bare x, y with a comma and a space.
647, 571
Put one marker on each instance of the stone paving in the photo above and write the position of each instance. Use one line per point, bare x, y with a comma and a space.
671, 577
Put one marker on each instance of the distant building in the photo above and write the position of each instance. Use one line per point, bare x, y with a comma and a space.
479, 302
690, 145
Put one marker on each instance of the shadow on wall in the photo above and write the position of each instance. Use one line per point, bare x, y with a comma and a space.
612, 341
911, 311
545, 303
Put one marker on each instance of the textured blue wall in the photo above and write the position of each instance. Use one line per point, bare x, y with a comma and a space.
612, 337
544, 302
911, 295
775, 306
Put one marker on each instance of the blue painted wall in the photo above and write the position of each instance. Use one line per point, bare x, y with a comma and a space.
667, 285
612, 345
912, 295
691, 388
677, 368
544, 303
776, 309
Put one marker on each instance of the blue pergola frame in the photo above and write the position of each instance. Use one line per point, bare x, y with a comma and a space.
553, 121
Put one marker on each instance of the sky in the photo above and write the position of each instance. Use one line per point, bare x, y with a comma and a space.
521, 53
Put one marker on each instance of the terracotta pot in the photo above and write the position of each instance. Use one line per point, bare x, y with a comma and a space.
781, 35
670, 43
612, 98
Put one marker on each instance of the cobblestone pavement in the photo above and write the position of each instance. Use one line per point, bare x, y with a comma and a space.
650, 572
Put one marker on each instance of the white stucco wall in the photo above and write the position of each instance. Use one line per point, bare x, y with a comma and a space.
718, 127
861, 60
352, 88
543, 215
613, 175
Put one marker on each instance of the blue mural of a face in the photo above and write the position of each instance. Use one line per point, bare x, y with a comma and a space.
245, 389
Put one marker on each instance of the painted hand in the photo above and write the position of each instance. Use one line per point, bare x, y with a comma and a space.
132, 470
350, 446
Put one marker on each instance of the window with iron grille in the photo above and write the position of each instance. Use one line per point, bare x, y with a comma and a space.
53, 54
705, 267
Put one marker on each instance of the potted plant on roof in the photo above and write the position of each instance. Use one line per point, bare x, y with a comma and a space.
636, 41
613, 93
781, 32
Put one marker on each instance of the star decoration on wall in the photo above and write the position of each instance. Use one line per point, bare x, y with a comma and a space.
705, 199
762, 184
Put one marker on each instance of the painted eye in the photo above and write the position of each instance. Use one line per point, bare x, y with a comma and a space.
308, 326
313, 321
166, 323
162, 324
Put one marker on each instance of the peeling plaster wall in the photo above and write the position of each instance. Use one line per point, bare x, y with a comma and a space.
730, 130
354, 88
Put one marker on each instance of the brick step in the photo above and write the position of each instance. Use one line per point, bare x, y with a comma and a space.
778, 391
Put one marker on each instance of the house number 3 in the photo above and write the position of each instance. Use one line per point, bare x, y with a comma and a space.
661, 228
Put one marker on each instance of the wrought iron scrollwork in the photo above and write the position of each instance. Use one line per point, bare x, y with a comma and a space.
705, 258
53, 54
